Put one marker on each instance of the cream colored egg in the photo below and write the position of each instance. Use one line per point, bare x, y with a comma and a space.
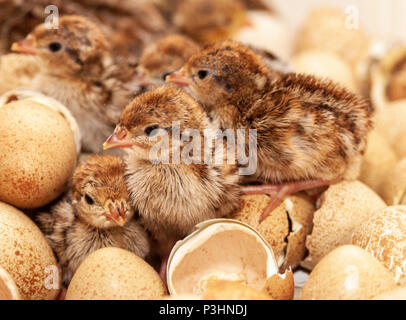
341, 209
267, 31
379, 158
384, 236
396, 294
26, 255
38, 153
393, 186
115, 274
347, 273
325, 65
329, 29
8, 289
286, 227
390, 123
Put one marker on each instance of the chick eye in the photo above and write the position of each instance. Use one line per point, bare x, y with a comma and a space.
89, 199
54, 46
149, 131
165, 75
202, 74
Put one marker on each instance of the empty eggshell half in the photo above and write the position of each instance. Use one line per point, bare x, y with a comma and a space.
220, 249
8, 289
38, 149
384, 236
115, 274
286, 227
347, 273
342, 208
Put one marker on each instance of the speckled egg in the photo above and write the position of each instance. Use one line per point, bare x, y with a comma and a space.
384, 236
115, 274
347, 273
26, 255
341, 209
37, 154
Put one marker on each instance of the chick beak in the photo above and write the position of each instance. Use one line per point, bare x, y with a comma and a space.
178, 78
116, 212
24, 46
118, 139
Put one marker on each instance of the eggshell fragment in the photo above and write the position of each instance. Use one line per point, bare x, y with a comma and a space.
379, 158
286, 227
384, 236
26, 256
280, 286
347, 273
341, 209
231, 290
325, 65
115, 274
8, 289
37, 154
396, 294
393, 186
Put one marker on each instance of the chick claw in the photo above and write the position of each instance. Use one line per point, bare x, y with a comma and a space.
278, 192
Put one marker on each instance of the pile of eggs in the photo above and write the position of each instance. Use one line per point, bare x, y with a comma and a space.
348, 242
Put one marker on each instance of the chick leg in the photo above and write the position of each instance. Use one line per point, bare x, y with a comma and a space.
278, 192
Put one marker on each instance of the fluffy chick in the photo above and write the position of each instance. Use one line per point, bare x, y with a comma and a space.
78, 70
172, 196
163, 57
310, 132
96, 213
209, 20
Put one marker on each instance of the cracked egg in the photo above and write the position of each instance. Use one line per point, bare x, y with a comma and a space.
286, 227
384, 236
39, 142
226, 250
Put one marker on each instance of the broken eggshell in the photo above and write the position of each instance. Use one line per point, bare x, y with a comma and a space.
286, 227
220, 249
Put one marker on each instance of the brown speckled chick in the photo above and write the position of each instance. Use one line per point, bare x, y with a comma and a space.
310, 132
172, 197
163, 57
96, 213
78, 70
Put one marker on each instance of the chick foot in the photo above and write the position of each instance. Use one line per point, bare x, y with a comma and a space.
278, 192
162, 270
